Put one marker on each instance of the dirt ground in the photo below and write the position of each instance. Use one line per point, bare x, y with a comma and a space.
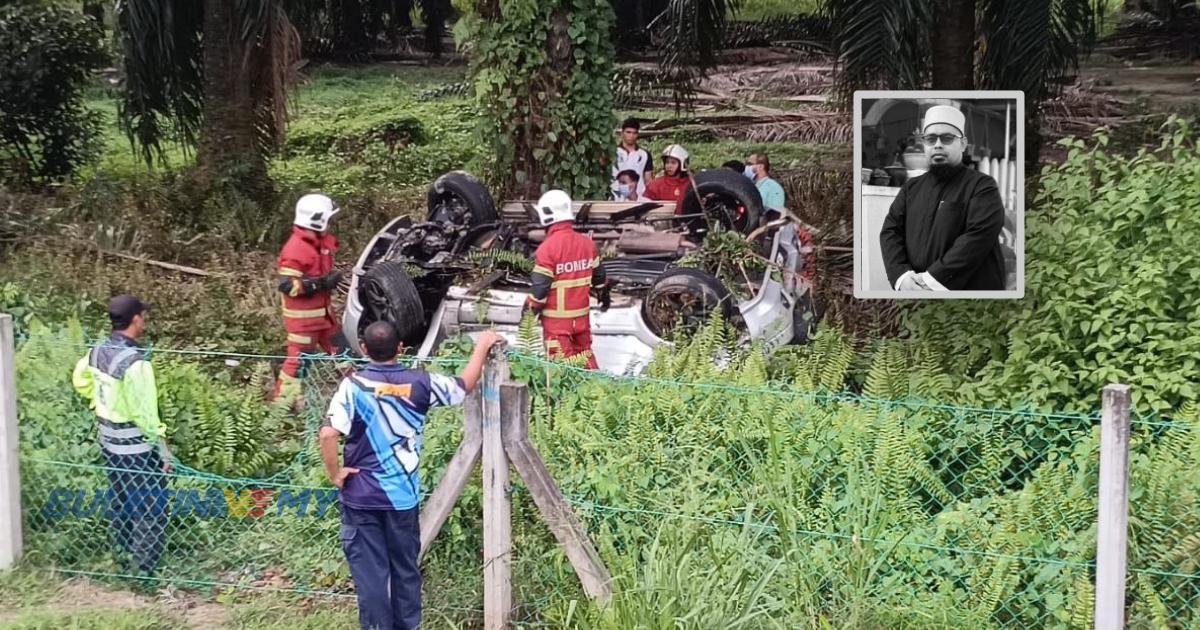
79, 595
1166, 85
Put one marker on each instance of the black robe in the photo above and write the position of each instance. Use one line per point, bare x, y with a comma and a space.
950, 229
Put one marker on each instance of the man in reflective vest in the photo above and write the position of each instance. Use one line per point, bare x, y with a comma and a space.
118, 382
307, 280
566, 269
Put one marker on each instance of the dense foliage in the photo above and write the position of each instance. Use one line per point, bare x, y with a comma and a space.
806, 504
541, 75
1110, 285
47, 54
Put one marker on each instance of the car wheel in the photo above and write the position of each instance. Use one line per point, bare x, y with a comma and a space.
460, 199
683, 299
388, 294
725, 198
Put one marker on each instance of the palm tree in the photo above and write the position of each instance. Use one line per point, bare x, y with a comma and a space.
1027, 45
213, 75
693, 31
348, 29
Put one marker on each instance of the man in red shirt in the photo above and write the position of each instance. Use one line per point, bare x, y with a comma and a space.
566, 269
675, 180
307, 280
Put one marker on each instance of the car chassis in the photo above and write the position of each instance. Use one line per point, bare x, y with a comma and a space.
465, 269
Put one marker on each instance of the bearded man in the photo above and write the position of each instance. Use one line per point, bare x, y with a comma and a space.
942, 232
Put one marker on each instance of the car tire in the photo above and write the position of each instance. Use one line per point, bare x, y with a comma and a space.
691, 293
388, 293
728, 197
457, 197
806, 314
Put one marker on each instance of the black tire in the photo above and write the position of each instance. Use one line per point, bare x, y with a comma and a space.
729, 198
458, 198
387, 293
806, 314
684, 296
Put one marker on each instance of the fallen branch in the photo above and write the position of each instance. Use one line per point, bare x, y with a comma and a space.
156, 263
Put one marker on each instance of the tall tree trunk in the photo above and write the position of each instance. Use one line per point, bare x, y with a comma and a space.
402, 19
229, 146
435, 25
953, 45
354, 42
95, 10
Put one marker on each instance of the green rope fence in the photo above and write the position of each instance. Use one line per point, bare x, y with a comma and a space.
886, 505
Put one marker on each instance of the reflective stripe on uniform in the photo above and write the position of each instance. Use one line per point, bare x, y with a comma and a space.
304, 339
312, 313
126, 433
572, 283
125, 449
288, 271
297, 288
116, 360
543, 271
561, 314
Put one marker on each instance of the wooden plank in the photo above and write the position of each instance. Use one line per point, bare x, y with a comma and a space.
567, 529
437, 509
497, 512
1112, 535
11, 542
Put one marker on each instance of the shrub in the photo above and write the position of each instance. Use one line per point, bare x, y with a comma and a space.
46, 55
1111, 271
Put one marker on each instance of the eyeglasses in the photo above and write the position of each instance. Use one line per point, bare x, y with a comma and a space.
946, 138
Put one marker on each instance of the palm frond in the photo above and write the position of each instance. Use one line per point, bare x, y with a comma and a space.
879, 45
1030, 45
164, 68
163, 72
272, 50
693, 34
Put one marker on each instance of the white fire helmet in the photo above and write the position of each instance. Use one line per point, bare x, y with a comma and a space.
554, 207
314, 212
679, 153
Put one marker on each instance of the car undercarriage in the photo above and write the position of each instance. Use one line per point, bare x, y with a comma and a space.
670, 266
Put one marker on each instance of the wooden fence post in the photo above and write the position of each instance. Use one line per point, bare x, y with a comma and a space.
11, 545
496, 430
570, 533
1112, 535
458, 473
497, 511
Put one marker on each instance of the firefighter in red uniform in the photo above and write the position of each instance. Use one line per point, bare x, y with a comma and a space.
566, 270
307, 280
675, 180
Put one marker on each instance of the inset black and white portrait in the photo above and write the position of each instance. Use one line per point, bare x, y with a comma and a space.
939, 207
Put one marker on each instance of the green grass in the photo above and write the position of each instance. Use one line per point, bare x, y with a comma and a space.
752, 10
340, 112
93, 620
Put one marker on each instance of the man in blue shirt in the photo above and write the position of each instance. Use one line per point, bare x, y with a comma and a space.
381, 411
758, 169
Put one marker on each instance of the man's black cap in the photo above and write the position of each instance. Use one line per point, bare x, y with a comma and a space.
123, 308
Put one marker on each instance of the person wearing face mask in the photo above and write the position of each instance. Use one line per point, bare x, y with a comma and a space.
627, 187
942, 232
758, 169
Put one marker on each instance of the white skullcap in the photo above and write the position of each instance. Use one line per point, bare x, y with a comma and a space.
945, 114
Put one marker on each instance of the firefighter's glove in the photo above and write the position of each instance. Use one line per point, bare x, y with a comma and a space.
331, 280
603, 294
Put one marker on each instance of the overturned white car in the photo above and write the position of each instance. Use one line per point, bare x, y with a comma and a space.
467, 266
